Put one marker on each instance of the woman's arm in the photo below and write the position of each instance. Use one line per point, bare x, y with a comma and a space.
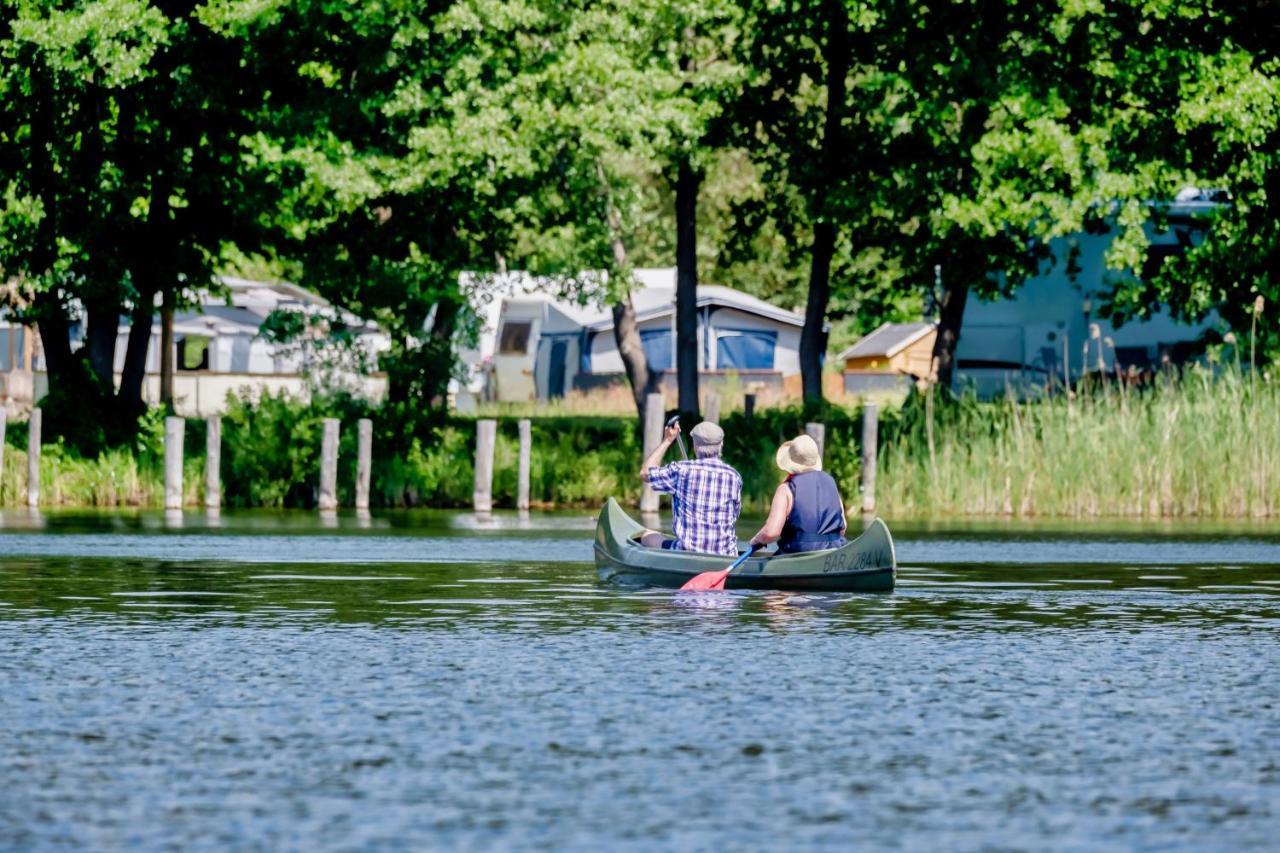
778, 512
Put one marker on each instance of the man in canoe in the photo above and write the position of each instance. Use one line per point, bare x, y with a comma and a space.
706, 494
807, 513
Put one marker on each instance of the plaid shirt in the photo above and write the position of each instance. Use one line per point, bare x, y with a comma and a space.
706, 497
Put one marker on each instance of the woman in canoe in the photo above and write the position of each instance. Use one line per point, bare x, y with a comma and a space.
807, 513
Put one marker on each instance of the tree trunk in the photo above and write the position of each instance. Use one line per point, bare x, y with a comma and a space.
51, 316
950, 317
153, 274
166, 345
55, 338
101, 331
134, 373
813, 341
687, 182
440, 364
626, 334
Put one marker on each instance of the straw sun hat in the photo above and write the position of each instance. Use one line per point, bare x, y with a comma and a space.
798, 455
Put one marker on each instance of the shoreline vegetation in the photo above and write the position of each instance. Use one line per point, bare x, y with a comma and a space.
1201, 443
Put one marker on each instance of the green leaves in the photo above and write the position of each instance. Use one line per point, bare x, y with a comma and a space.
107, 42
20, 218
1234, 96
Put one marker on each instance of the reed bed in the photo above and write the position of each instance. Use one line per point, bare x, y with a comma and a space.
1199, 443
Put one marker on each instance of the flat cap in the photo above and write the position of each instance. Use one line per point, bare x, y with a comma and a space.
707, 434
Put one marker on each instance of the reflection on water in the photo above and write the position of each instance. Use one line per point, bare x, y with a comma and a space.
426, 680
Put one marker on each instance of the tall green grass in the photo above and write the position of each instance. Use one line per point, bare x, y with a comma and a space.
1202, 443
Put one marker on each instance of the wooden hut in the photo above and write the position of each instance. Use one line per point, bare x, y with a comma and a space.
905, 348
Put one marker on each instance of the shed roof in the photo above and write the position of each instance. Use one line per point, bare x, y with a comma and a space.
888, 340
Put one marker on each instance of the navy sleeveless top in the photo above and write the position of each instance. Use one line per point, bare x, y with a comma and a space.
817, 514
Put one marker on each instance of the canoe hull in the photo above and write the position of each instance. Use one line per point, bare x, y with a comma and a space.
865, 564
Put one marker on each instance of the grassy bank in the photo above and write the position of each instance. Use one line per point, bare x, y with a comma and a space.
1196, 445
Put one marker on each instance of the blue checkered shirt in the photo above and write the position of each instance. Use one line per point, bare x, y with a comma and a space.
706, 497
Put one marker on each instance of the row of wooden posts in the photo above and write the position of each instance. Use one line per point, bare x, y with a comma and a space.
486, 438
174, 434
174, 437
655, 421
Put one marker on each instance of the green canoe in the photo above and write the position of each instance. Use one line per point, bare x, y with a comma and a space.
866, 564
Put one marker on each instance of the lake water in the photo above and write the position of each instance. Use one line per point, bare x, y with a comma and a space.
425, 680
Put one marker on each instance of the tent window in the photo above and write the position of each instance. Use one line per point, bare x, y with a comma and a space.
11, 348
193, 353
745, 350
515, 338
657, 348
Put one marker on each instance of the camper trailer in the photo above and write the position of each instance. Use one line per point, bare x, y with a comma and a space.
537, 349
1052, 328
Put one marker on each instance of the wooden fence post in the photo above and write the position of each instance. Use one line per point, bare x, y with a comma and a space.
174, 430
364, 462
711, 411
213, 462
329, 466
486, 437
654, 409
522, 471
33, 458
818, 433
870, 429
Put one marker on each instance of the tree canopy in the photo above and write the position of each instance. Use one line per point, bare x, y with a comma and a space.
829, 155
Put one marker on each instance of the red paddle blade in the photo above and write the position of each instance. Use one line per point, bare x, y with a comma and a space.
706, 580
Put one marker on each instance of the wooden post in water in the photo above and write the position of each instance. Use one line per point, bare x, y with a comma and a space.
711, 411
486, 437
818, 433
33, 458
364, 462
213, 462
654, 409
522, 471
174, 430
329, 466
749, 404
870, 431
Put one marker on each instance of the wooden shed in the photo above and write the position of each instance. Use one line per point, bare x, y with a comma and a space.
902, 348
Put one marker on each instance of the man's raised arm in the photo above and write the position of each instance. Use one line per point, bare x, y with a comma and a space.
654, 459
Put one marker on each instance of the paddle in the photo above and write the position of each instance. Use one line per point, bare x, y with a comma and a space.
715, 580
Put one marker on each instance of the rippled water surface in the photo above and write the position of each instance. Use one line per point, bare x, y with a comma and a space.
429, 680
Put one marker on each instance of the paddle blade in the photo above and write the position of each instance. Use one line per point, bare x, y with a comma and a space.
706, 580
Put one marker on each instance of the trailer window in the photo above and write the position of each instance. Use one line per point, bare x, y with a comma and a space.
514, 339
